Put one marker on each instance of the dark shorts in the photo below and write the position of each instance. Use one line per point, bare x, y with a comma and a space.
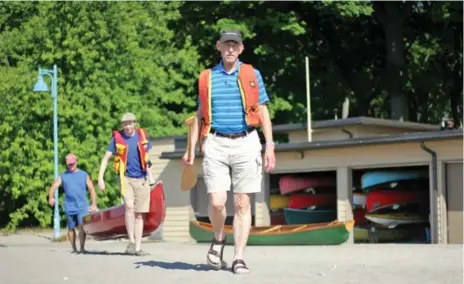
74, 220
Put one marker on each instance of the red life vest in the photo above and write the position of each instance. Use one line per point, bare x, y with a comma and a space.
249, 91
120, 160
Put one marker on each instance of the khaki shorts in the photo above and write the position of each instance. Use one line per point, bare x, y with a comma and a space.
137, 192
232, 162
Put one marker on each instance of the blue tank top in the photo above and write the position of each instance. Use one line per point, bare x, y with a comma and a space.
75, 191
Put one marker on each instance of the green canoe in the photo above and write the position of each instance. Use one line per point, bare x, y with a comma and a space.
333, 233
301, 216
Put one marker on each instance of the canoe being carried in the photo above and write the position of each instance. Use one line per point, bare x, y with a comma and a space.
292, 183
333, 233
110, 223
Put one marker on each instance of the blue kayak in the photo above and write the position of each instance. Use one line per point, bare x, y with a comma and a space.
380, 177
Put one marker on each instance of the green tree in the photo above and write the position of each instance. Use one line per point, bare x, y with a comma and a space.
112, 58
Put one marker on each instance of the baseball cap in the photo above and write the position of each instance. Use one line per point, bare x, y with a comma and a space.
231, 35
128, 116
71, 159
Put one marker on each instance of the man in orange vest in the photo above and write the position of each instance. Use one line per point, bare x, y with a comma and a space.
232, 104
130, 147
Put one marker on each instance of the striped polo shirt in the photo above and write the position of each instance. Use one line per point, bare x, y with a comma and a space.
226, 102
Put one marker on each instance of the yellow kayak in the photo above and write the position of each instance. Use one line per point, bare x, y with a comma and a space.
279, 202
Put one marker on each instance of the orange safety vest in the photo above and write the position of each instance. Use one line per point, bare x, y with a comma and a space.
249, 91
120, 159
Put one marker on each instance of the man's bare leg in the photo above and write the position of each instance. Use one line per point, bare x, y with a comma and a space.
130, 223
82, 239
139, 218
217, 216
242, 223
72, 239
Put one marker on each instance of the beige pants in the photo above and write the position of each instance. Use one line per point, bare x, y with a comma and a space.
232, 162
137, 192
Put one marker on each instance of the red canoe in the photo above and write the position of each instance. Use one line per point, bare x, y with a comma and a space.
110, 223
288, 184
300, 201
386, 198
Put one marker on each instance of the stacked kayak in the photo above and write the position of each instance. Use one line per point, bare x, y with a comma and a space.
293, 183
388, 204
395, 204
304, 199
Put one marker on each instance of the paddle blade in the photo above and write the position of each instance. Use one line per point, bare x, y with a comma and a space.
189, 178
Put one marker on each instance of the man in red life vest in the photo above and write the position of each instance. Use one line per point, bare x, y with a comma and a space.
130, 147
232, 103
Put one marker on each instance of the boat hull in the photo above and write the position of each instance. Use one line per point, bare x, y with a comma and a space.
291, 183
110, 223
278, 202
300, 216
386, 198
380, 177
333, 233
392, 220
300, 201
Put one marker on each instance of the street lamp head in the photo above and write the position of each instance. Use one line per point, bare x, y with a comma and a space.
40, 85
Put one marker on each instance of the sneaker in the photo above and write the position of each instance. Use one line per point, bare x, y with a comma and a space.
130, 248
141, 253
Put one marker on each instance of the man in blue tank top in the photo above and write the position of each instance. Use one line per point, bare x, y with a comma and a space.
75, 182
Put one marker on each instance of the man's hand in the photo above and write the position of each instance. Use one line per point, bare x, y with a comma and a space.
187, 161
101, 184
51, 201
93, 208
269, 158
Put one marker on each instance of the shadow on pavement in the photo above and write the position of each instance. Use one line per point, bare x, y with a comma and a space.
173, 265
102, 252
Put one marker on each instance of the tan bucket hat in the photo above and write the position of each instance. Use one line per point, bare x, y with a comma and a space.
128, 116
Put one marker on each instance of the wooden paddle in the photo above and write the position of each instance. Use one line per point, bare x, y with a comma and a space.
189, 175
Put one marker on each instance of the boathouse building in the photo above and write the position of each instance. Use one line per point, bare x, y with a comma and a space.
344, 149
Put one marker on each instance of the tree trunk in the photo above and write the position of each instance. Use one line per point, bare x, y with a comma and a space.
456, 90
392, 15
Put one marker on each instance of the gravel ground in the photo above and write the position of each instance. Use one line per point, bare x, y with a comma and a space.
27, 259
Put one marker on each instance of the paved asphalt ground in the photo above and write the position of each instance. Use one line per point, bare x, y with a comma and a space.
27, 259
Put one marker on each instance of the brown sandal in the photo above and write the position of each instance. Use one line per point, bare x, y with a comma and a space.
219, 254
